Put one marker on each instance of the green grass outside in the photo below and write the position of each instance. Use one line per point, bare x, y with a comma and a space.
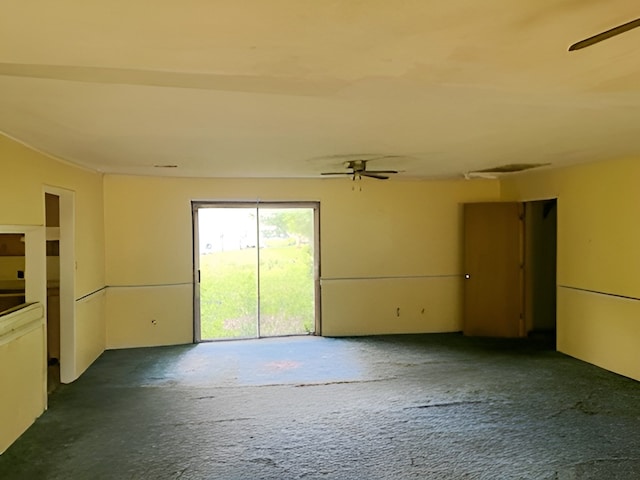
228, 292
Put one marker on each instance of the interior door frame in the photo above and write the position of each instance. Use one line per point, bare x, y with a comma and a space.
197, 204
66, 236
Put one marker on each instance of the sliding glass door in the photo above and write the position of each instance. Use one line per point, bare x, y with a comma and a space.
256, 270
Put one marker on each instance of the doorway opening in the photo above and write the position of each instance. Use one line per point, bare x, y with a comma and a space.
256, 270
12, 268
541, 232
52, 224
59, 207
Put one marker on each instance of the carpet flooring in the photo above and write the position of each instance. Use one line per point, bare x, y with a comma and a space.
390, 407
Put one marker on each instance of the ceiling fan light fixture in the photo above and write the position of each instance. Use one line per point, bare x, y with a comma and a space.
357, 169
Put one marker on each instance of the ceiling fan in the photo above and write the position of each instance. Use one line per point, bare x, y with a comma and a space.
358, 169
625, 27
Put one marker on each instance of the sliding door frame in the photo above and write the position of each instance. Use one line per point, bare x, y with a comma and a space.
196, 205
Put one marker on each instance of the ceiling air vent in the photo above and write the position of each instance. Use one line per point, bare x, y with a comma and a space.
512, 168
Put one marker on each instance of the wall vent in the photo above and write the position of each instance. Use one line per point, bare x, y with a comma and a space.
512, 168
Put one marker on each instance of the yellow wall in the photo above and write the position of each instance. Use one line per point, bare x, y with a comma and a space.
25, 175
370, 239
91, 330
598, 258
22, 382
142, 316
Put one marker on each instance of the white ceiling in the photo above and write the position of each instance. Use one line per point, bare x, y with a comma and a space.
289, 88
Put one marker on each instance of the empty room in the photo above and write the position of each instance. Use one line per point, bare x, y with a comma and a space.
322, 239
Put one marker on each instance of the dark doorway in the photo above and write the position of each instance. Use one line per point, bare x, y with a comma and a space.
541, 232
52, 223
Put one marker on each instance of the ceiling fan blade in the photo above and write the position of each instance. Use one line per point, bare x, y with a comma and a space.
373, 175
336, 173
381, 157
381, 171
625, 27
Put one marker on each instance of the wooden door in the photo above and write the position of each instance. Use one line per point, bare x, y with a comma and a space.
493, 263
